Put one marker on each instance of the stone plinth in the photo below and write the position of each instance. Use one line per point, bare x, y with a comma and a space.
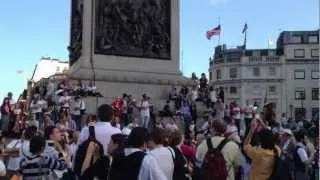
153, 72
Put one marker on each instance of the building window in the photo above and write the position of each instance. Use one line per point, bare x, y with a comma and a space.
255, 53
315, 74
272, 89
299, 113
296, 39
218, 74
233, 90
315, 93
313, 39
58, 69
256, 71
210, 76
315, 113
299, 53
300, 94
299, 74
271, 53
233, 72
272, 71
314, 52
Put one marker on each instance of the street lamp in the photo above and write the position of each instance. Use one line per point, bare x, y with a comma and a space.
301, 95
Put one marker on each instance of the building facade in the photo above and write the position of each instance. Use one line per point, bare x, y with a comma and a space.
287, 76
47, 67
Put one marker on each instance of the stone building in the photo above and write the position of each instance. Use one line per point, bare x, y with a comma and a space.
47, 67
287, 76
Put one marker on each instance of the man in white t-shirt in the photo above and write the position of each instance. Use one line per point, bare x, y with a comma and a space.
145, 111
103, 128
76, 111
163, 155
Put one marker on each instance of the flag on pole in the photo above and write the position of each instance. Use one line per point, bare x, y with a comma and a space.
265, 97
245, 28
213, 32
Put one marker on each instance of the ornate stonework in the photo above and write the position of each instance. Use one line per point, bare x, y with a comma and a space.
75, 47
133, 28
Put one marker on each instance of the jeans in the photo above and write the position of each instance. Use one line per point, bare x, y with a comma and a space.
39, 118
300, 175
145, 121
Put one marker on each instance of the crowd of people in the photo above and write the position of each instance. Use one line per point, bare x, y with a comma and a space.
129, 140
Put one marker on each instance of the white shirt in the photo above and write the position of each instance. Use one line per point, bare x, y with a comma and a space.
76, 107
103, 132
149, 169
91, 88
36, 107
194, 95
43, 103
213, 96
83, 104
14, 162
64, 100
145, 108
236, 111
248, 111
50, 89
126, 131
284, 121
172, 126
302, 152
165, 160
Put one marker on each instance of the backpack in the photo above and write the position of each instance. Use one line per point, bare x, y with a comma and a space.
281, 168
131, 165
180, 170
214, 165
82, 150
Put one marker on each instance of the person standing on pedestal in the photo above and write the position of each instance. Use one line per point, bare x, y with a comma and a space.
145, 111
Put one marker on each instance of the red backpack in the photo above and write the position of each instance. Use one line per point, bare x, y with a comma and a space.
214, 165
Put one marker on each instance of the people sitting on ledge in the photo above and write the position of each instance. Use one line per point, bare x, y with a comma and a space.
91, 90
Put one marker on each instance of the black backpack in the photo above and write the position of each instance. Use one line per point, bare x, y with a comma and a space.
82, 150
281, 168
132, 165
180, 171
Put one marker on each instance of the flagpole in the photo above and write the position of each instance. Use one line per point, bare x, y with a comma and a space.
245, 40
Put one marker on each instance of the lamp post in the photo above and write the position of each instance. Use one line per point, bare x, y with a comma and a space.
291, 109
302, 109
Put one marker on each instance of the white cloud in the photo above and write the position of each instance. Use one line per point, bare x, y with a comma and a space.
217, 2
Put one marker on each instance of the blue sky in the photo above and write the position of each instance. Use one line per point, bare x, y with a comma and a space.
31, 29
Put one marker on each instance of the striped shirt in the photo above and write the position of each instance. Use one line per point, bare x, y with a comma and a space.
35, 167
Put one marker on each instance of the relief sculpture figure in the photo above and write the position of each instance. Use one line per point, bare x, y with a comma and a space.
133, 28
